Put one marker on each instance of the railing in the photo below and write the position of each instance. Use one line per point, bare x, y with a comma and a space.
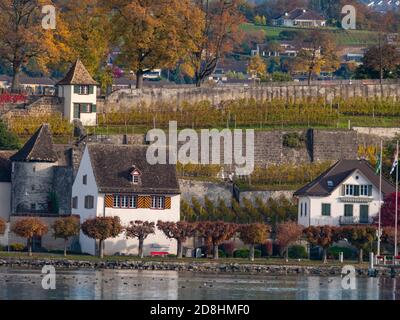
354, 220
388, 260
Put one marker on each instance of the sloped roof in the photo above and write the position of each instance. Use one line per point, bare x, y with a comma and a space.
339, 173
78, 75
112, 165
5, 165
39, 148
301, 14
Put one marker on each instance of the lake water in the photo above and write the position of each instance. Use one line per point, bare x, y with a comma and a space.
19, 284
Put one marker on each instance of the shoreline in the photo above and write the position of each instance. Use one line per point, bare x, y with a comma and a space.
194, 267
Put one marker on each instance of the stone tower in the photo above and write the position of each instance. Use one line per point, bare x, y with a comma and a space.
32, 174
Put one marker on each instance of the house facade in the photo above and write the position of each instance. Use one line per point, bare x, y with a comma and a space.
79, 92
118, 181
302, 18
346, 194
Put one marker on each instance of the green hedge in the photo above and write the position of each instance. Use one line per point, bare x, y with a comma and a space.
298, 252
348, 253
245, 253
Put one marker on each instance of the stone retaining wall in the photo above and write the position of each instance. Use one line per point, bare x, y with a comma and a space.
199, 267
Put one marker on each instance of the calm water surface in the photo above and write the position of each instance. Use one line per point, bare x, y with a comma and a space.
171, 285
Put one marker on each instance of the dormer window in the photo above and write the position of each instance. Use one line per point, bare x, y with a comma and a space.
135, 175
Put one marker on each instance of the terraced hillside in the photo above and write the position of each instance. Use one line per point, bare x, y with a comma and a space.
342, 37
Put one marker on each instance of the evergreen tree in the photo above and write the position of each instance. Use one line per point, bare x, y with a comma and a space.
8, 140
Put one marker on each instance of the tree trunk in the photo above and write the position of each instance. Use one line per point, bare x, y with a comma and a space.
15, 86
360, 256
309, 76
139, 79
101, 252
65, 247
30, 247
215, 253
251, 255
325, 256
180, 249
141, 248
287, 254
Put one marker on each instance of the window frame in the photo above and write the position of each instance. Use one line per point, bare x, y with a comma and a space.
326, 209
75, 204
89, 202
158, 202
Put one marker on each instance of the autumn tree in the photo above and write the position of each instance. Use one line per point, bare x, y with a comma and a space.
29, 228
2, 226
102, 228
389, 236
388, 211
180, 231
219, 34
215, 233
140, 230
22, 37
286, 234
153, 33
361, 237
323, 236
257, 68
66, 228
253, 234
382, 59
87, 33
317, 53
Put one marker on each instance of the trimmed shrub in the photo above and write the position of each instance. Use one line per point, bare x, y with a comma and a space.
2, 248
245, 253
228, 248
221, 254
298, 252
348, 253
18, 247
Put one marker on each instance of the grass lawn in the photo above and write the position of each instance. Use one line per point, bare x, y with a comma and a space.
264, 261
342, 37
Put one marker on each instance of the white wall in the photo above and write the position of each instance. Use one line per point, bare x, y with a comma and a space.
4, 239
67, 92
80, 190
5, 200
337, 203
155, 242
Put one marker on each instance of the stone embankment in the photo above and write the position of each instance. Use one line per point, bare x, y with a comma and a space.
198, 267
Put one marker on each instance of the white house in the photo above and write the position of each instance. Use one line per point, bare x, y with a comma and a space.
118, 181
300, 17
346, 194
5, 191
79, 92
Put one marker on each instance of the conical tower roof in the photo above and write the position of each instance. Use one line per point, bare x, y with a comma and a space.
78, 75
39, 148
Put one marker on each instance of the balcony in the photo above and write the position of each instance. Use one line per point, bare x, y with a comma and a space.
355, 220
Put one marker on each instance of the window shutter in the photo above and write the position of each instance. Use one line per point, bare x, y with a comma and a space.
343, 190
167, 202
91, 89
76, 111
76, 89
147, 202
109, 201
94, 108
